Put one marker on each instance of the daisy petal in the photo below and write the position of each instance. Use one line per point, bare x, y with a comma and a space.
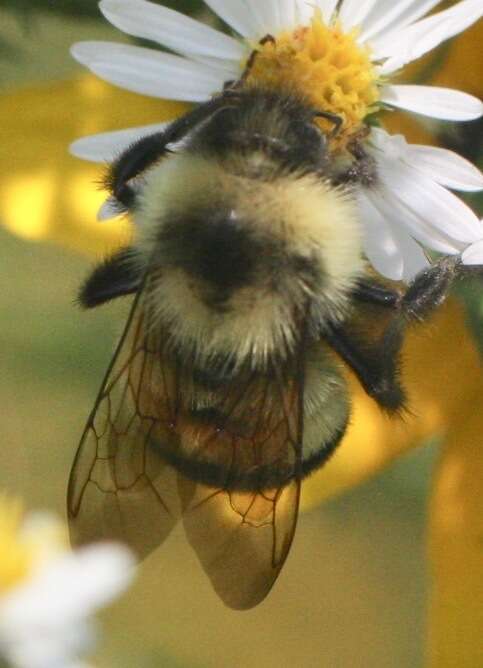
327, 8
444, 103
305, 11
395, 16
170, 28
355, 12
445, 167
265, 14
403, 46
107, 146
394, 209
380, 246
149, 72
234, 14
415, 259
229, 69
287, 13
473, 254
109, 210
390, 249
432, 214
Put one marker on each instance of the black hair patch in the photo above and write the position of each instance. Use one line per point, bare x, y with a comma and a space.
119, 275
215, 247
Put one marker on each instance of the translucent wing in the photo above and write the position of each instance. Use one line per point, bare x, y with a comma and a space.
160, 443
119, 488
241, 538
242, 531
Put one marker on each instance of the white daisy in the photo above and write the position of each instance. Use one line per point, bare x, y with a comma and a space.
342, 54
47, 592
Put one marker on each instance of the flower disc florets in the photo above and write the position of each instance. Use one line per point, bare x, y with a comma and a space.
324, 64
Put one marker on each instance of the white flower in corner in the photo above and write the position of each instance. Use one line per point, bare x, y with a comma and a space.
47, 592
342, 55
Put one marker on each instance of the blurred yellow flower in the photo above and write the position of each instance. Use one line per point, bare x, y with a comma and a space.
47, 195
15, 557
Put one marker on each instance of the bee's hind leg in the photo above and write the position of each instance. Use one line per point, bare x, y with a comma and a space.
431, 287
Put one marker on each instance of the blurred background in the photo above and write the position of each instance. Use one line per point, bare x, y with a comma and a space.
353, 592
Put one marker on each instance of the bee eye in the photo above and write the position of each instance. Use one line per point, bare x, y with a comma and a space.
310, 135
309, 144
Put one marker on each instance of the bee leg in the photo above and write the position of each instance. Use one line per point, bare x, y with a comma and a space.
252, 58
362, 170
117, 276
146, 151
375, 365
371, 292
431, 287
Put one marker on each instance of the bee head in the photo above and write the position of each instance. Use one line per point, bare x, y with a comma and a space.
281, 128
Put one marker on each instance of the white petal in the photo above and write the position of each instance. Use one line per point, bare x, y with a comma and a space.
107, 146
473, 254
235, 14
401, 216
432, 214
405, 45
109, 210
327, 7
395, 16
170, 28
266, 16
444, 103
228, 69
380, 246
388, 246
445, 167
149, 72
355, 12
396, 145
71, 587
305, 11
288, 15
415, 259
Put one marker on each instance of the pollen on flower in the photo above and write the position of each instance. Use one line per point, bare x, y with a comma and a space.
25, 543
327, 66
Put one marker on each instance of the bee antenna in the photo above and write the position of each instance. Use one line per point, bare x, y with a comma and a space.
333, 118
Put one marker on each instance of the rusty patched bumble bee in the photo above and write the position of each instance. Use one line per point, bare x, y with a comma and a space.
251, 289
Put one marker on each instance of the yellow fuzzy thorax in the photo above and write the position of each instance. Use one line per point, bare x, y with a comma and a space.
327, 66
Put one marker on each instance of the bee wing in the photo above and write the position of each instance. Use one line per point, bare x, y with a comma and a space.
151, 451
119, 488
242, 538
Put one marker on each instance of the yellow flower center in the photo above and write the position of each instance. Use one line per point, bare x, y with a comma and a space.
24, 546
325, 65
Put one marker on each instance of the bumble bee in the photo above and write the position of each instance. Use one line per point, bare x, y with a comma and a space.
250, 287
